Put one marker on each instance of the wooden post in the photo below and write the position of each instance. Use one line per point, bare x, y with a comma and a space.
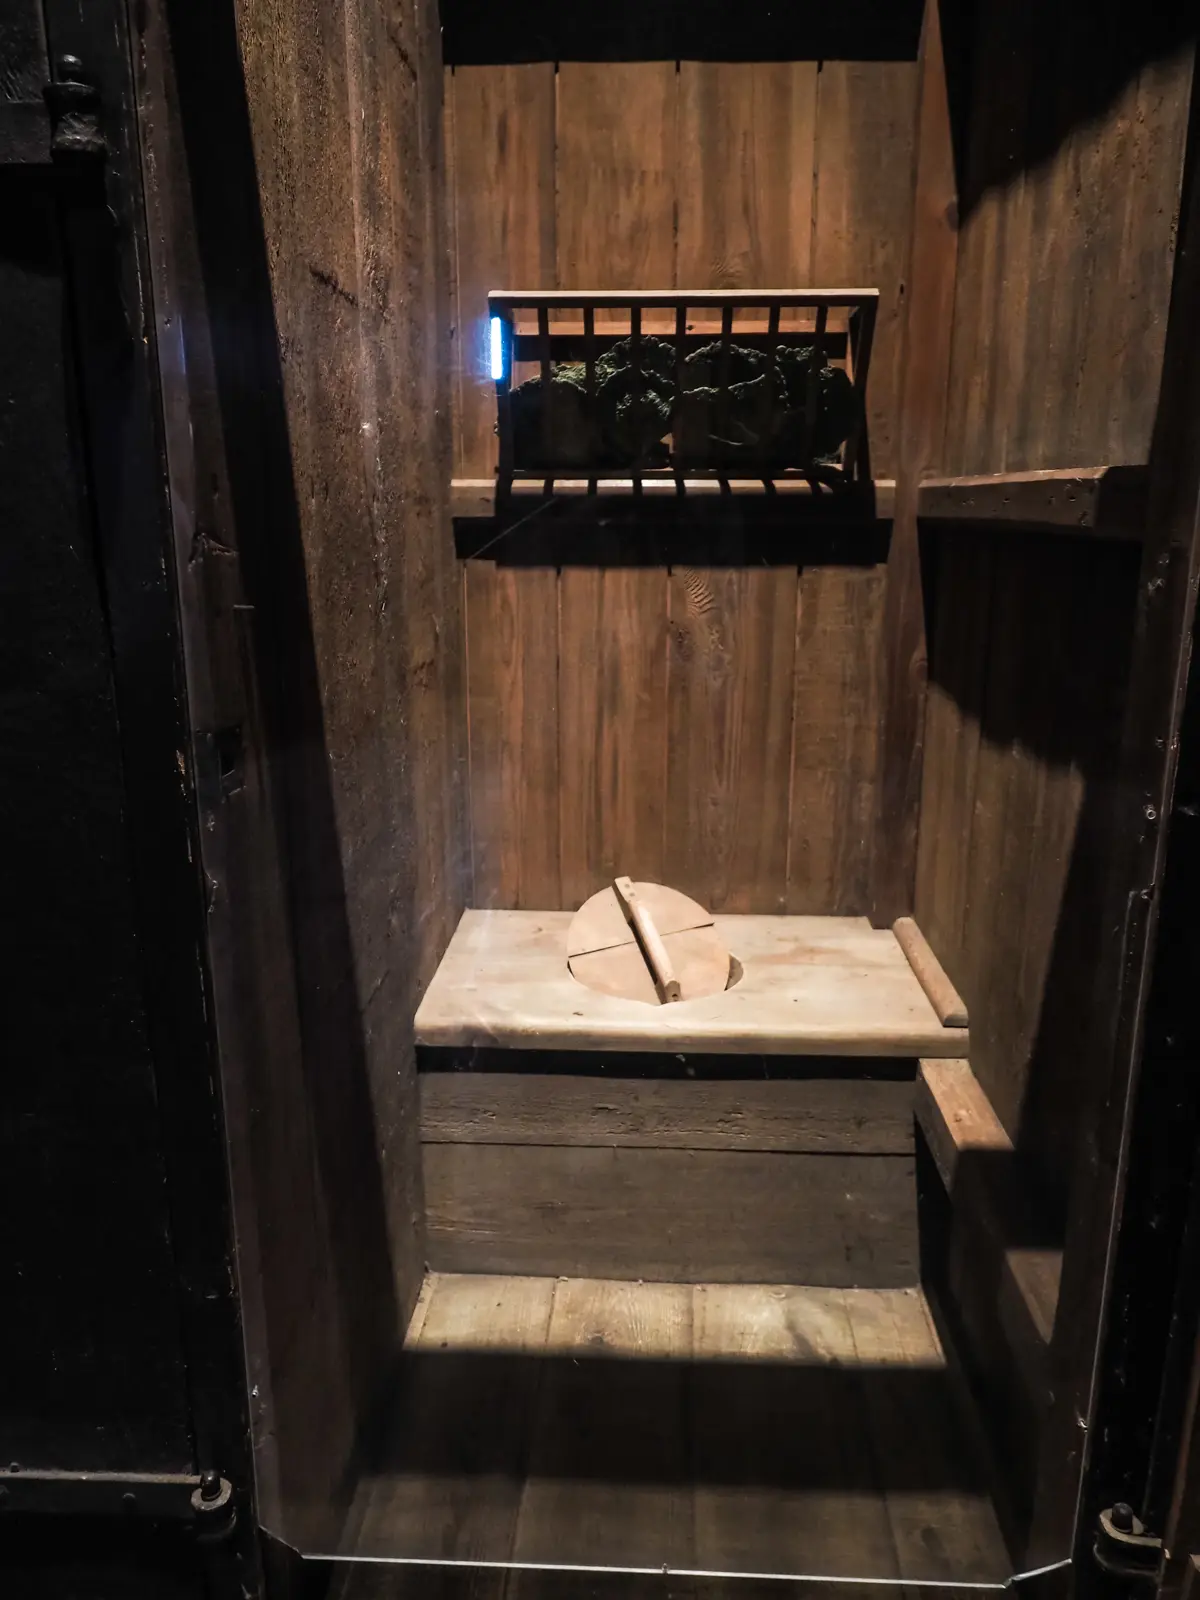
926, 367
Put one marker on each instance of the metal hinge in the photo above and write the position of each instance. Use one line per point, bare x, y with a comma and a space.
205, 1498
74, 104
1124, 1548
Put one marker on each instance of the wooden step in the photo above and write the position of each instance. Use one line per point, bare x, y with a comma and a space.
808, 986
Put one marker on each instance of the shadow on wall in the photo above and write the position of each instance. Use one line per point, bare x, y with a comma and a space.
1050, 66
312, 1200
1023, 75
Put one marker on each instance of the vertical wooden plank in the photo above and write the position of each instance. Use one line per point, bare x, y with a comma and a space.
616, 130
746, 149
612, 726
863, 214
616, 125
731, 672
512, 683
746, 153
921, 394
835, 740
503, 201
953, 718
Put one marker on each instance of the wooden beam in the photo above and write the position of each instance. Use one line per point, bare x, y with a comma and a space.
955, 1115
923, 399
476, 497
621, 300
1102, 501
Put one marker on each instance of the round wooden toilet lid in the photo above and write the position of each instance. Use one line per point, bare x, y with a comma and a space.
604, 953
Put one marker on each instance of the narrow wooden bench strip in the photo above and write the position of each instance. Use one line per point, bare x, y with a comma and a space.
955, 1115
930, 974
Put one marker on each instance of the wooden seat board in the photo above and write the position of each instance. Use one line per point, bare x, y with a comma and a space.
809, 985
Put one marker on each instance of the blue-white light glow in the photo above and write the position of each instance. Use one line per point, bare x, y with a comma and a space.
497, 349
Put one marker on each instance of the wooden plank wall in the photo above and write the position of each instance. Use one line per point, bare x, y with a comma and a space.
1069, 210
345, 110
1069, 213
717, 727
1028, 672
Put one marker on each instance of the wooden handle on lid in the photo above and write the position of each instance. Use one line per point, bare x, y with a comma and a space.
650, 940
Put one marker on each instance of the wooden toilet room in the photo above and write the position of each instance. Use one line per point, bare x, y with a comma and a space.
690, 660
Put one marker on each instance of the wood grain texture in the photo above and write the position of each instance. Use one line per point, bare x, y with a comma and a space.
1065, 261
815, 1115
741, 128
809, 986
512, 674
633, 1493
835, 740
730, 686
617, 159
736, 1531
360, 618
866, 127
733, 150
672, 1215
1101, 501
450, 1478
612, 726
656, 1436
928, 970
956, 1116
944, 1527
502, 202
922, 393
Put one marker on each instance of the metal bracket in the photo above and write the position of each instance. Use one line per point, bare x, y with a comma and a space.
1124, 1548
205, 1498
74, 105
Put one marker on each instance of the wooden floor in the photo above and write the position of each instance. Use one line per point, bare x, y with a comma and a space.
809, 986
703, 1428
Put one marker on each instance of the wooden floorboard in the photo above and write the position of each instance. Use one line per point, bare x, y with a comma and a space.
749, 1430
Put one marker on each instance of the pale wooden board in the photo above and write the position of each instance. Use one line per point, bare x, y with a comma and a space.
699, 962
861, 1116
810, 986
955, 1115
676, 1215
600, 923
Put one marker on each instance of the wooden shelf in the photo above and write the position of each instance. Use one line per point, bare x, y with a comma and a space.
770, 1430
810, 986
1103, 502
793, 495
